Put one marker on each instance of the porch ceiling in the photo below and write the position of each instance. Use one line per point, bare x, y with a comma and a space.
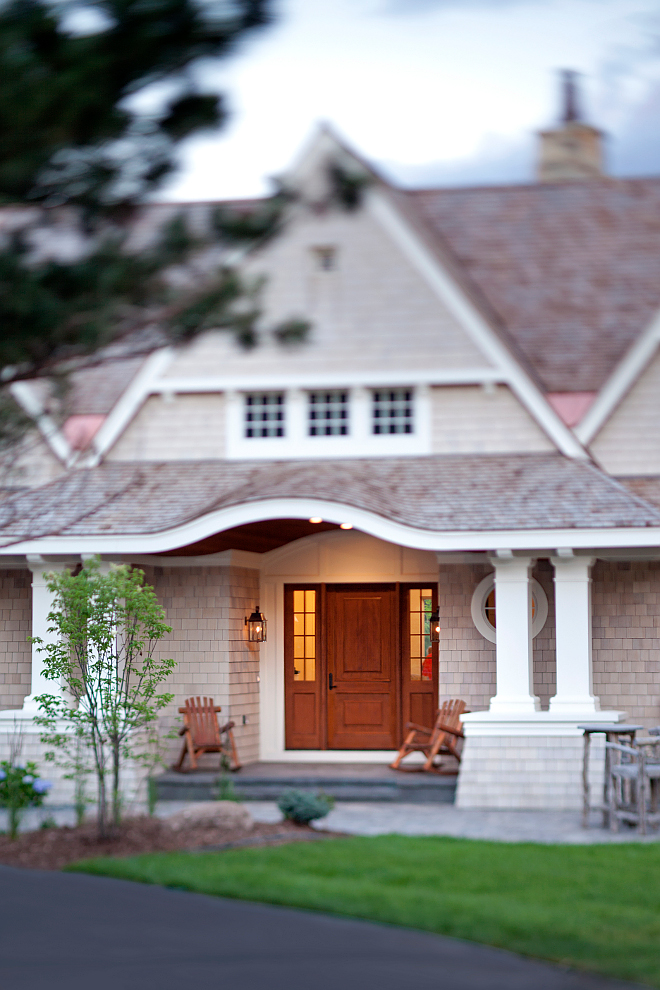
258, 537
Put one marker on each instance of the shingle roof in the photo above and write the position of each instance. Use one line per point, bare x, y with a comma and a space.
572, 269
646, 487
450, 493
96, 390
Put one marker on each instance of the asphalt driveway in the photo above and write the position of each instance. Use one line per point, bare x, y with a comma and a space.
63, 931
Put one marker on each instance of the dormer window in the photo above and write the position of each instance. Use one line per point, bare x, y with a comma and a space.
392, 411
325, 258
328, 414
264, 414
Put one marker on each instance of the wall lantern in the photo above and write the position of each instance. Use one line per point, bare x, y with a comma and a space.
256, 627
434, 626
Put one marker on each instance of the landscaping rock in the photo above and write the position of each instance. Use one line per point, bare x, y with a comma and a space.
211, 814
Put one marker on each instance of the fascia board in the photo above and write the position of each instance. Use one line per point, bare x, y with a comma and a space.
469, 317
51, 433
361, 519
416, 376
620, 382
129, 404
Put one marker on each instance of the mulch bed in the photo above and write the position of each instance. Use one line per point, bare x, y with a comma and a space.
54, 848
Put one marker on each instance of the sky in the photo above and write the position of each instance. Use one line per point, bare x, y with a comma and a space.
433, 92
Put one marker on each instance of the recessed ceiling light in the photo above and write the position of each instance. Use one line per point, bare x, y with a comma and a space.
346, 525
316, 519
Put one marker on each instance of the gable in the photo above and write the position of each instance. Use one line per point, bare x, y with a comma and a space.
174, 428
390, 310
372, 313
629, 442
29, 464
471, 419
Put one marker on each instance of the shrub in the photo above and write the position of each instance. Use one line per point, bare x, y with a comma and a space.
20, 788
302, 807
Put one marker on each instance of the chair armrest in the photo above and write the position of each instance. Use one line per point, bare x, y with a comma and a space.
622, 749
419, 728
184, 729
452, 731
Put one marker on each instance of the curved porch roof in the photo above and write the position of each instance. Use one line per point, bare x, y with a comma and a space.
162, 506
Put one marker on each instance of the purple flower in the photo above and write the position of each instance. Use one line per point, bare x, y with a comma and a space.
2, 774
28, 778
41, 786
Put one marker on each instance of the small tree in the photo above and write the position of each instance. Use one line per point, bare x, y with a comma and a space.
106, 627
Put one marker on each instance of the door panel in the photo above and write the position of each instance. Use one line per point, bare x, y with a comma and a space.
361, 660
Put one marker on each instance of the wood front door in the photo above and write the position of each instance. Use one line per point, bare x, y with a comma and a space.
361, 661
358, 664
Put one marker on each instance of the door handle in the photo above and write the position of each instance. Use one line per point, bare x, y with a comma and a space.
331, 686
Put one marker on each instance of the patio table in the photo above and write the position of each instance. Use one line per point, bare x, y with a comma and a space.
612, 731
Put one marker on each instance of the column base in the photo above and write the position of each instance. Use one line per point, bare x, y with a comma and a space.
515, 705
529, 761
567, 705
23, 718
552, 723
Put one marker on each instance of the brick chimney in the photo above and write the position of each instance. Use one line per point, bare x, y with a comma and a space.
574, 150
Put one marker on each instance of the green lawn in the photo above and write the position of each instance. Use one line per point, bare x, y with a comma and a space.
593, 907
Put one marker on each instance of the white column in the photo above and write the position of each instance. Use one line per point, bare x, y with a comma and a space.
573, 624
42, 601
513, 605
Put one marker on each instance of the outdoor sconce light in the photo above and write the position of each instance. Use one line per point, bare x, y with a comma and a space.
434, 626
256, 627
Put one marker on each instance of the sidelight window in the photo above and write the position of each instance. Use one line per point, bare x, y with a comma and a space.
304, 635
420, 609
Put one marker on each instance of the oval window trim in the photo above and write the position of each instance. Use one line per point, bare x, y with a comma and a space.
478, 608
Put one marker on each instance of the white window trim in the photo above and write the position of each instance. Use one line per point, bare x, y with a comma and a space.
398, 420
258, 424
478, 608
296, 444
338, 426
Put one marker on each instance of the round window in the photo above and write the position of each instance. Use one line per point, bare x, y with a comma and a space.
484, 611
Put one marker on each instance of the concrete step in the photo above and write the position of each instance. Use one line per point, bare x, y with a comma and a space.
248, 785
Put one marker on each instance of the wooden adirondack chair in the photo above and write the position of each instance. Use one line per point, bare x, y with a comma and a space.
441, 740
204, 735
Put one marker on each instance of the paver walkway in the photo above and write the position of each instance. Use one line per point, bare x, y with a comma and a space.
381, 818
72, 932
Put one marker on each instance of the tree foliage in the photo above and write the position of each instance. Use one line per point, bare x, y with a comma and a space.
105, 631
79, 154
71, 130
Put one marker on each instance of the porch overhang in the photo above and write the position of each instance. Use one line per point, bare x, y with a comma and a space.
442, 503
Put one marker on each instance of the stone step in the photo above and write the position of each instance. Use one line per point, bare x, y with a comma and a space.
411, 788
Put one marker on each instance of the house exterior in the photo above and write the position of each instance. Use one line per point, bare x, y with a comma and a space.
471, 426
